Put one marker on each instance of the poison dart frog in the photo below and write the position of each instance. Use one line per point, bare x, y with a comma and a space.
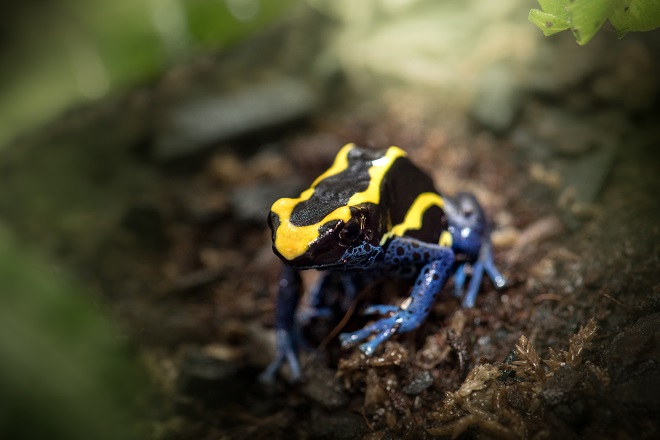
375, 213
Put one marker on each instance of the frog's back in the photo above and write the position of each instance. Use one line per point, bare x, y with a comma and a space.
412, 204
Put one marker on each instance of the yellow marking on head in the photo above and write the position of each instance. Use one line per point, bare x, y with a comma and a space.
446, 239
415, 215
292, 241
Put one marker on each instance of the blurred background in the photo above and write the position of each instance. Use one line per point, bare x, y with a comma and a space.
66, 372
143, 141
58, 54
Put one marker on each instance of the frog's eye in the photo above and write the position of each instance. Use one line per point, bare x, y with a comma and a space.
350, 232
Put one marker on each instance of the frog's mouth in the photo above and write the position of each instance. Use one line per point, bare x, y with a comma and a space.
363, 256
322, 253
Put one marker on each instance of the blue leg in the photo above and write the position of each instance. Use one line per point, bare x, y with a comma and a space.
489, 265
473, 287
287, 339
483, 264
459, 280
428, 285
471, 239
286, 353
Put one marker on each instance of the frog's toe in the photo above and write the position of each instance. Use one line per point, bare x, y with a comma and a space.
348, 340
382, 329
494, 274
370, 347
484, 264
486, 258
286, 354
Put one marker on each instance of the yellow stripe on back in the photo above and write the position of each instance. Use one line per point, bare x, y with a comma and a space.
414, 217
376, 173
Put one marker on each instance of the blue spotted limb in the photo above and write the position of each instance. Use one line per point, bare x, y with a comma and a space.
429, 283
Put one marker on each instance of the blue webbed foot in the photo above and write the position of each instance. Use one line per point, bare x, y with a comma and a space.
382, 330
483, 264
286, 353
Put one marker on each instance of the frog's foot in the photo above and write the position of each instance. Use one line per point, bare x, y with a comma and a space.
397, 321
483, 264
286, 353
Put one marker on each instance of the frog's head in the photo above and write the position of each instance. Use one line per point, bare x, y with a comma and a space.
338, 221
348, 237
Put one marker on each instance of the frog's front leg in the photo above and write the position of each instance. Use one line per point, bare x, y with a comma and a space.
432, 277
289, 321
286, 332
470, 232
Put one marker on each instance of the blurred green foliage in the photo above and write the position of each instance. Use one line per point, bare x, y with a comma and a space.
58, 53
63, 373
585, 17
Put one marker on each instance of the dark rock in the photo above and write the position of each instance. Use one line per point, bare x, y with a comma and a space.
498, 98
580, 148
420, 382
583, 179
209, 378
563, 394
634, 365
201, 121
253, 202
322, 387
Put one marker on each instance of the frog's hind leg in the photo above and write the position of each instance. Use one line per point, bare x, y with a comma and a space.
416, 308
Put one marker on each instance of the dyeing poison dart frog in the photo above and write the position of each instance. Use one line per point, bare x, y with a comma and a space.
370, 213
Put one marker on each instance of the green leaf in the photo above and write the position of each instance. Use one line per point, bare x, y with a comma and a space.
548, 23
553, 18
587, 17
555, 7
635, 16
